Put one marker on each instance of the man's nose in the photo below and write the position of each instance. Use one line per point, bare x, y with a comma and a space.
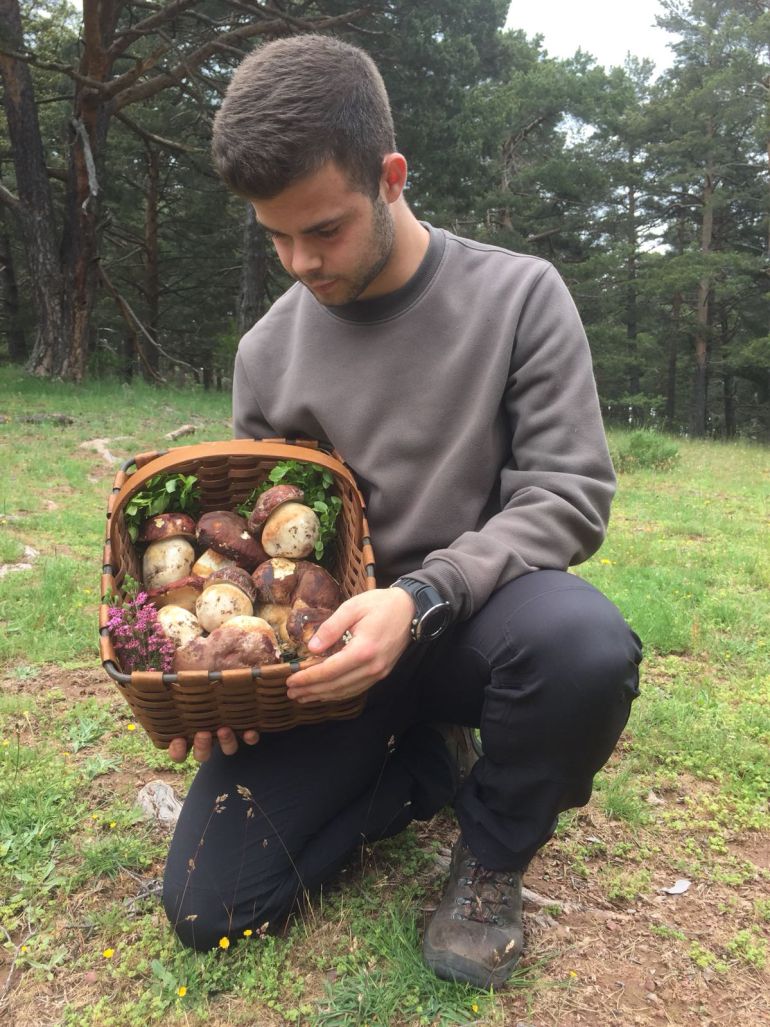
305, 259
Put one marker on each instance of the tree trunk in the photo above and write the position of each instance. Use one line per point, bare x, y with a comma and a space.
17, 342
702, 316
35, 206
252, 299
632, 319
672, 352
151, 275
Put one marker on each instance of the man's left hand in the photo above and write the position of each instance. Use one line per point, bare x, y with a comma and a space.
378, 623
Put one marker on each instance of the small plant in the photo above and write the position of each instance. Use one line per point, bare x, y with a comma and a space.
645, 451
163, 493
749, 947
138, 637
318, 485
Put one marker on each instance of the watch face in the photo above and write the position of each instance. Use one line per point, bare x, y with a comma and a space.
432, 623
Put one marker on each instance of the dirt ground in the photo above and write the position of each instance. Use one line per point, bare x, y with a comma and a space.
595, 962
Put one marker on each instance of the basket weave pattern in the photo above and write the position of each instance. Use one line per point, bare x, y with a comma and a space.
177, 705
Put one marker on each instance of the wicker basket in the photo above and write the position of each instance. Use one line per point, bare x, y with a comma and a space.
177, 705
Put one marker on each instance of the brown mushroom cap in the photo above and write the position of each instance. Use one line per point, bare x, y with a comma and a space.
226, 532
234, 576
275, 580
302, 623
269, 500
167, 525
241, 642
284, 581
183, 592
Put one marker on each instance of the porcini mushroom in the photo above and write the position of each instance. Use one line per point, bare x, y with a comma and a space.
269, 500
226, 533
291, 530
227, 593
179, 624
167, 560
241, 642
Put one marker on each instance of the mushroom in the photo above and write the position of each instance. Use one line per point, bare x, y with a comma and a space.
211, 561
167, 525
226, 532
269, 500
167, 560
179, 624
291, 530
241, 642
182, 593
285, 581
302, 623
227, 593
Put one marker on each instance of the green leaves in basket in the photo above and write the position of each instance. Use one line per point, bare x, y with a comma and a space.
164, 493
318, 485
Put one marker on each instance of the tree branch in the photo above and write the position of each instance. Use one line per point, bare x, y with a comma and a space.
150, 137
143, 90
65, 69
9, 199
147, 26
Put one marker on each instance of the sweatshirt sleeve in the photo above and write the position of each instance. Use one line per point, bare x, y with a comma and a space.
248, 419
557, 486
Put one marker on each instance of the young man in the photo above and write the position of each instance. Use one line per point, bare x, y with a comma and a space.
455, 379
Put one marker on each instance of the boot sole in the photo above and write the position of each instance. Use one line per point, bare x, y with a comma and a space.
451, 967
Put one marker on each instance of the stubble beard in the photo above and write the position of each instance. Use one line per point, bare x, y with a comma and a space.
378, 253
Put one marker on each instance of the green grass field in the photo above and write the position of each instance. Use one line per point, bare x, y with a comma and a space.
83, 940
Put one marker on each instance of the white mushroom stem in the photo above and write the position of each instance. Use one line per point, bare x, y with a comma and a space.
219, 602
167, 560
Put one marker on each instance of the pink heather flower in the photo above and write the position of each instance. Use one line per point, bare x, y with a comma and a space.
138, 637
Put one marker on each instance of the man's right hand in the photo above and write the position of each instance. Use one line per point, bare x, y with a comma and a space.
203, 744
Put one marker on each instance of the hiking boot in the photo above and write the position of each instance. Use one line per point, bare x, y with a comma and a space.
475, 935
462, 744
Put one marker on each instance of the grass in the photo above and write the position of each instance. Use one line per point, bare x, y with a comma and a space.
687, 795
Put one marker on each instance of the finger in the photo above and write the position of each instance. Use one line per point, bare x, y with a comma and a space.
177, 750
251, 737
202, 746
340, 663
227, 741
332, 629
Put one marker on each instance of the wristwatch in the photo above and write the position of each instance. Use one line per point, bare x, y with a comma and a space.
432, 614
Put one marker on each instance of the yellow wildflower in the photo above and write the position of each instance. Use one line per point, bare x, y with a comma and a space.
224, 943
474, 1007
248, 932
108, 953
130, 727
181, 991
113, 823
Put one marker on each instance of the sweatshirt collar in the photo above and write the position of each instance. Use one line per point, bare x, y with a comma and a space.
383, 308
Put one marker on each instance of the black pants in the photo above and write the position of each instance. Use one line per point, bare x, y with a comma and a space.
547, 669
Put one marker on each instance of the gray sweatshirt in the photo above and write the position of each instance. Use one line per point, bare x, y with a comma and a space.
465, 405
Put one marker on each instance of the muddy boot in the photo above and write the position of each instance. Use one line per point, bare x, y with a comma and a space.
475, 935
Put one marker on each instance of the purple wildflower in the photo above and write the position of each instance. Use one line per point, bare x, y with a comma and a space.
138, 637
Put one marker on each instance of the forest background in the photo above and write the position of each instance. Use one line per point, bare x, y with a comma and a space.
121, 254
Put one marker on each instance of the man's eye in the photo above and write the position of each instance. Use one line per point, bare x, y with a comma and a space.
328, 233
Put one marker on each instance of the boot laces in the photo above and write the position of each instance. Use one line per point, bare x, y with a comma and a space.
489, 894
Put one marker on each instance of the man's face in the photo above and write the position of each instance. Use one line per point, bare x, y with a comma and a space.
334, 240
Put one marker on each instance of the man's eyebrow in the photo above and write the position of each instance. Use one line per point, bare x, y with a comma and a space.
319, 226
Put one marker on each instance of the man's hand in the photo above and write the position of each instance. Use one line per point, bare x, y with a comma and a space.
203, 743
378, 623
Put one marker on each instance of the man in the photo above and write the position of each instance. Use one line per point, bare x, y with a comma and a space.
455, 380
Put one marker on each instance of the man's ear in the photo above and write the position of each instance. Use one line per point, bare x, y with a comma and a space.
393, 178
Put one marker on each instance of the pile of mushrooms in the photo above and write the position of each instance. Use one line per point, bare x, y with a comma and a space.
232, 592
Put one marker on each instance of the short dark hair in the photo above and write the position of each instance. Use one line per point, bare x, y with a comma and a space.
293, 105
